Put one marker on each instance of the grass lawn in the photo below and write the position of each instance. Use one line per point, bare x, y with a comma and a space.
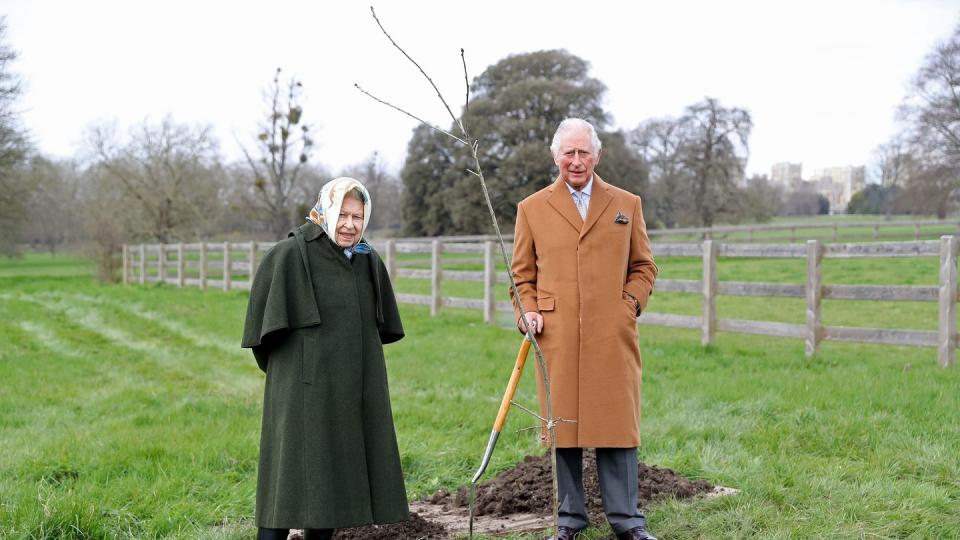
851, 228
130, 412
43, 264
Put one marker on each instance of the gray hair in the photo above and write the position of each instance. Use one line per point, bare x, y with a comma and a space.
571, 124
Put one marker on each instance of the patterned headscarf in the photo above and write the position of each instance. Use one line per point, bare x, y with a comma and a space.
326, 213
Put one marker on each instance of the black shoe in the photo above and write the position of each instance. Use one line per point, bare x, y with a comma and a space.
636, 533
566, 533
318, 534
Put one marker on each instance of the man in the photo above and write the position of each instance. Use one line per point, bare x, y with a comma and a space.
584, 271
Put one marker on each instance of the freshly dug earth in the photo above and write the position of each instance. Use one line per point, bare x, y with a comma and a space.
528, 488
416, 527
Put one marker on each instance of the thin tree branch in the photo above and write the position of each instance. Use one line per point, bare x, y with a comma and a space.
466, 82
549, 423
424, 122
414, 62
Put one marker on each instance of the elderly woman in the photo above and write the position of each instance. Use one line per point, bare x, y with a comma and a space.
320, 307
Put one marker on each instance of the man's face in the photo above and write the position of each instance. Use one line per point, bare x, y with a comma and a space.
576, 158
350, 223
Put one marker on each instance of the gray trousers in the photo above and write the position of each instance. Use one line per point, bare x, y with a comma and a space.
617, 472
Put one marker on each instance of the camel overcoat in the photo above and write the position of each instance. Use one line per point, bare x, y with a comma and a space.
316, 322
578, 274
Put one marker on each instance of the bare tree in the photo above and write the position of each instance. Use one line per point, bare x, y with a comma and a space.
52, 219
658, 142
283, 147
106, 219
931, 113
761, 199
169, 173
715, 152
893, 163
695, 162
14, 185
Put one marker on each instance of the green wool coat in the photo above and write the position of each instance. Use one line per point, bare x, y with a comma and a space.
316, 322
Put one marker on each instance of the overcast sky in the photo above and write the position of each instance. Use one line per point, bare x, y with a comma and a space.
821, 79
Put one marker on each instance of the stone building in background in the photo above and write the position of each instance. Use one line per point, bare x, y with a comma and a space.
788, 175
838, 184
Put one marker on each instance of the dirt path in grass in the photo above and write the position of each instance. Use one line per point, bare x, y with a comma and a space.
519, 499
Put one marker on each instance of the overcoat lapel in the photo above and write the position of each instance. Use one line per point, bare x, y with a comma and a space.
562, 202
599, 199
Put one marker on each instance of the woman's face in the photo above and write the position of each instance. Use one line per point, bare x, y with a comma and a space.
349, 223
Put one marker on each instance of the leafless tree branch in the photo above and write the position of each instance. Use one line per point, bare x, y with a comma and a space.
414, 62
424, 122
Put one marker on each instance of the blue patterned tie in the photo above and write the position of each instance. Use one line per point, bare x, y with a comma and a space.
580, 199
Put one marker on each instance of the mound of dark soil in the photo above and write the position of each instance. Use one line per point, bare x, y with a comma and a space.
528, 488
415, 528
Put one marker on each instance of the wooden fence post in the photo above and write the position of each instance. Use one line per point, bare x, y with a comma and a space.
226, 266
435, 273
180, 265
203, 265
876, 232
391, 252
793, 234
947, 339
126, 264
834, 232
162, 262
916, 231
709, 323
489, 282
814, 291
143, 264
253, 260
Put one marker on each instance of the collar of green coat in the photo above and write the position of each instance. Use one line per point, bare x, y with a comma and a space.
311, 231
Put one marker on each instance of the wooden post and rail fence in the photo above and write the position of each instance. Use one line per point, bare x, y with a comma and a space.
871, 231
229, 266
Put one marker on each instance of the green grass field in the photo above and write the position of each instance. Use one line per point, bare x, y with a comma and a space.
850, 228
130, 412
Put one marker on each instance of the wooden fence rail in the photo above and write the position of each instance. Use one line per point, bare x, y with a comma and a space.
230, 265
798, 232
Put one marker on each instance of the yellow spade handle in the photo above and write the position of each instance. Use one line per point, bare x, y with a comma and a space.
512, 385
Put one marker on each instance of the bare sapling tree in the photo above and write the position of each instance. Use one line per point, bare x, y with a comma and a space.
463, 137
106, 219
283, 148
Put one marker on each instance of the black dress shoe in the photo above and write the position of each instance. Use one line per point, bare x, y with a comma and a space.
636, 533
317, 534
566, 533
